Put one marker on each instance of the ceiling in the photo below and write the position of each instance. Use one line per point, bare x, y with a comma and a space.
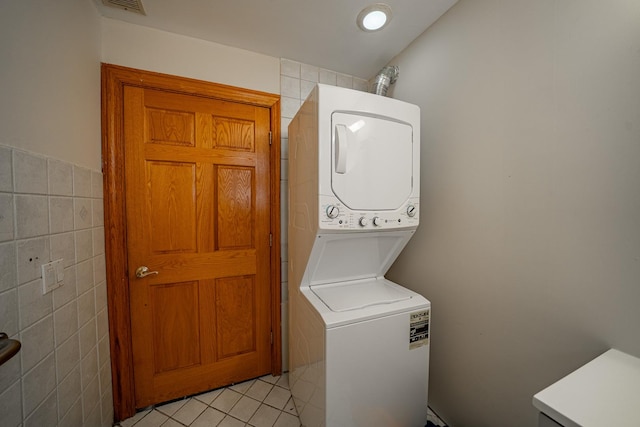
316, 32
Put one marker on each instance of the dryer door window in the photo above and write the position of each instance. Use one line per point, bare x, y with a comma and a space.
371, 161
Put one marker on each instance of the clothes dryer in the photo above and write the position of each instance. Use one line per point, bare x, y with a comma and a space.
358, 343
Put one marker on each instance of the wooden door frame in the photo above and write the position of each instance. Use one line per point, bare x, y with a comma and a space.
114, 79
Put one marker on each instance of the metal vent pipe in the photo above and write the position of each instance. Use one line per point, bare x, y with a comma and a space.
385, 78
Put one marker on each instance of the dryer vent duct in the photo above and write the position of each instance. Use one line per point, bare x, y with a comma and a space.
130, 5
385, 78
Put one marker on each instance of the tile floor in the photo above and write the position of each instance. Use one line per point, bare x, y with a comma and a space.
262, 402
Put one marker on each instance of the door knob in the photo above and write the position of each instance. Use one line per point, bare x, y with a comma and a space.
143, 271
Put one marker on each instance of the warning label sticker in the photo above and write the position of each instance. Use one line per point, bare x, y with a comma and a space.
418, 329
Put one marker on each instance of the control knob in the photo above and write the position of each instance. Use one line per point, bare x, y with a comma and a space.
363, 221
411, 211
332, 211
377, 221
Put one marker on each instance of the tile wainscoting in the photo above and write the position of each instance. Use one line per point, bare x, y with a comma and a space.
50, 210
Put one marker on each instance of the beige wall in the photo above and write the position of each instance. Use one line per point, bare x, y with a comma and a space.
153, 50
50, 79
529, 243
51, 208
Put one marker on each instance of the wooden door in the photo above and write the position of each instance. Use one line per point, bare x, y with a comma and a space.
198, 214
210, 348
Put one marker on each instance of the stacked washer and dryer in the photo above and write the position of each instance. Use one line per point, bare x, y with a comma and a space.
358, 343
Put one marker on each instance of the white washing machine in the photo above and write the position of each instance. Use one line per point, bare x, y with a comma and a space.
358, 343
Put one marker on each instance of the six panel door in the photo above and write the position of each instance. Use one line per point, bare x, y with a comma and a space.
197, 209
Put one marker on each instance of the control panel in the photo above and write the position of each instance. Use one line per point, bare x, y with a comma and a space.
334, 215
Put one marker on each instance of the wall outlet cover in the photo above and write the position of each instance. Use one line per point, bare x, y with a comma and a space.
52, 275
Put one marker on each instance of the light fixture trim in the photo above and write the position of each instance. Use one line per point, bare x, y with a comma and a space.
374, 17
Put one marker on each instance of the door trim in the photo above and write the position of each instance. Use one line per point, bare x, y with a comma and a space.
114, 79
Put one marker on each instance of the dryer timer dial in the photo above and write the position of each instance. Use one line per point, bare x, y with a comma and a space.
411, 211
332, 211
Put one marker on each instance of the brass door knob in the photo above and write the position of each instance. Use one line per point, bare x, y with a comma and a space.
143, 271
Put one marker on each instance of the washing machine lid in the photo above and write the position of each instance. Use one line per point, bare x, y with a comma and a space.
346, 296
351, 256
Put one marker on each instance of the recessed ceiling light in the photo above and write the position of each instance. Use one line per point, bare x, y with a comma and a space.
374, 17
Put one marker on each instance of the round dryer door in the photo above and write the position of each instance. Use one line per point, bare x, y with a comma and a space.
372, 161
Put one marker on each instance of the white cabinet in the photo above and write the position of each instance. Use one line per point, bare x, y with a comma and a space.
604, 392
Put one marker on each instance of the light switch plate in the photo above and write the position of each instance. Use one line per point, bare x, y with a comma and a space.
52, 275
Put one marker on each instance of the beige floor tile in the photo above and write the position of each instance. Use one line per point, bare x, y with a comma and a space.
277, 397
290, 407
242, 387
172, 423
171, 408
245, 408
270, 379
129, 422
226, 400
210, 417
190, 411
209, 396
283, 381
259, 390
287, 420
152, 419
265, 416
231, 422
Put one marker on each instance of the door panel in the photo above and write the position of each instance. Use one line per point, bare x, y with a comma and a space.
233, 134
175, 326
198, 213
173, 200
235, 320
235, 191
171, 127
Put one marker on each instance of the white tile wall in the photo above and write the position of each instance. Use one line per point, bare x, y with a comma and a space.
296, 82
6, 217
51, 209
6, 174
